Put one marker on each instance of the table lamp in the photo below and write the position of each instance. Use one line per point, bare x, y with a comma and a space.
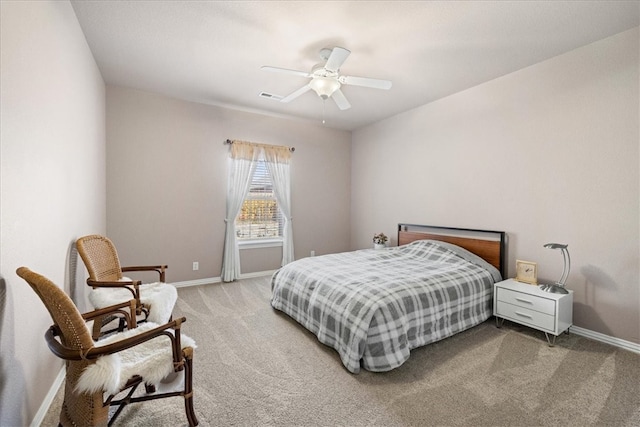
559, 286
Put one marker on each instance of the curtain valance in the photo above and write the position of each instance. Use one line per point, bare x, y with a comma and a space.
272, 153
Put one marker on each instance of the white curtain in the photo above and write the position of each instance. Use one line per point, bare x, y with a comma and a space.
278, 161
242, 163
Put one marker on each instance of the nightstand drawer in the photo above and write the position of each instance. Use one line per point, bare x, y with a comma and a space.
530, 302
526, 316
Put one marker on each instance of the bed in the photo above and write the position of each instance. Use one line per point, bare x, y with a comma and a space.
373, 306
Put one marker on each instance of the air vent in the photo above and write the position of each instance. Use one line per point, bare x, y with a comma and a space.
270, 96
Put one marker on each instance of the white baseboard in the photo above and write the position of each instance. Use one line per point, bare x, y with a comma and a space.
197, 282
257, 274
597, 336
48, 399
211, 280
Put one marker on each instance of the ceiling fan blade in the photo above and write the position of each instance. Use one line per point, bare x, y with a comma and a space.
337, 58
340, 100
295, 94
366, 82
286, 71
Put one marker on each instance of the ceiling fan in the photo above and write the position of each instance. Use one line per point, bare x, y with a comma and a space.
326, 80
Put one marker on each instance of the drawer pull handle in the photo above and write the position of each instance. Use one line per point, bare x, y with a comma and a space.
524, 300
524, 315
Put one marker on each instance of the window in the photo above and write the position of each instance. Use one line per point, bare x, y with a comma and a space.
260, 217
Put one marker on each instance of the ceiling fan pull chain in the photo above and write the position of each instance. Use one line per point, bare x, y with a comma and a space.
324, 101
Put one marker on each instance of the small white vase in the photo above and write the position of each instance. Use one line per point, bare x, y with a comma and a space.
379, 245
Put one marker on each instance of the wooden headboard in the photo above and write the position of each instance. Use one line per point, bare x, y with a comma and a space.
488, 245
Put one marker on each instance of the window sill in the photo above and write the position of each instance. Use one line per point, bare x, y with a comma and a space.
259, 243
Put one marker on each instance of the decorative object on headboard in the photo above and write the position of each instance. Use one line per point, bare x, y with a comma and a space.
379, 240
559, 286
487, 244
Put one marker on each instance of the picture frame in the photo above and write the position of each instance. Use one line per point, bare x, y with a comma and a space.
527, 272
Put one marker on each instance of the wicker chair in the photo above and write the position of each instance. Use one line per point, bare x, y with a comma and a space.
98, 372
154, 301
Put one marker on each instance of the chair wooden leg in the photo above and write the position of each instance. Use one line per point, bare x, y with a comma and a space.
121, 403
97, 328
188, 388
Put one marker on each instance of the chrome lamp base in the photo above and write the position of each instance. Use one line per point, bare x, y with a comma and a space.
554, 289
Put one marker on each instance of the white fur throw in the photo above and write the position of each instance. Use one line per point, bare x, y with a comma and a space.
160, 297
152, 360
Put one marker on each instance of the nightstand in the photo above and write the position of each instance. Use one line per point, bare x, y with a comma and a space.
530, 306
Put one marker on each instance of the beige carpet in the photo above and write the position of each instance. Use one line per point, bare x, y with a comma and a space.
256, 367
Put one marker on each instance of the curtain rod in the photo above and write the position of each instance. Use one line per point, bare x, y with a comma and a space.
292, 149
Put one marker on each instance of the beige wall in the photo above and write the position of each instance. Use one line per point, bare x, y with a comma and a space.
52, 184
548, 153
166, 182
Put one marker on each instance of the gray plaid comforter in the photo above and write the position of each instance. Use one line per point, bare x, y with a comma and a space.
374, 306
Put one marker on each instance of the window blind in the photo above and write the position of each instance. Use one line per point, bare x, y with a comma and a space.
260, 216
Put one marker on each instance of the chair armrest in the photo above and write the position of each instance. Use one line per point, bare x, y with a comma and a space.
160, 269
66, 353
130, 316
117, 284
125, 284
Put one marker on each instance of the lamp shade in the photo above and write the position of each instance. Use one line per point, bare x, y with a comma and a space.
324, 86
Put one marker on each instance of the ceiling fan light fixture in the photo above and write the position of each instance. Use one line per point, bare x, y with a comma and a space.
326, 80
324, 86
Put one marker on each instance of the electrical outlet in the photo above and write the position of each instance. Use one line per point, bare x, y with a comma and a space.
313, 253
196, 265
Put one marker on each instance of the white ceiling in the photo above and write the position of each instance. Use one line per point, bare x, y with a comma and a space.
211, 51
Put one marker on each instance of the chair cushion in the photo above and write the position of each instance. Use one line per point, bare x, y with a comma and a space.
160, 297
152, 360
